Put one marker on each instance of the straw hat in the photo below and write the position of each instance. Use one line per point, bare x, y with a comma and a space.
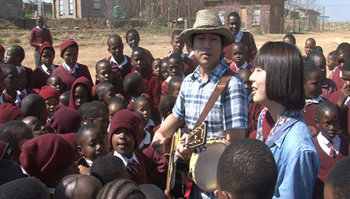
207, 22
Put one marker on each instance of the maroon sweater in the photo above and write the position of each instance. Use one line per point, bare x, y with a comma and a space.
343, 113
309, 113
327, 164
253, 116
336, 78
188, 66
68, 79
126, 69
251, 49
139, 174
39, 78
39, 36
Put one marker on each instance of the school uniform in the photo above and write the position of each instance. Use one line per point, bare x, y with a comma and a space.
254, 110
324, 148
343, 112
39, 36
68, 75
29, 73
187, 64
81, 80
9, 112
337, 78
236, 68
40, 76
251, 50
165, 86
309, 113
124, 67
328, 87
6, 98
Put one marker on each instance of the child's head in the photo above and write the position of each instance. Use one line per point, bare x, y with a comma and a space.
156, 67
239, 53
77, 186
116, 104
108, 168
327, 119
115, 46
239, 170
132, 38
2, 53
64, 98
141, 105
15, 133
80, 93
245, 74
34, 105
9, 170
40, 21
332, 60
15, 55
176, 43
310, 44
51, 97
175, 85
164, 68
34, 123
56, 83
21, 78
105, 91
104, 71
29, 188
344, 52
121, 188
65, 120
47, 54
49, 158
69, 52
152, 191
319, 60
175, 65
312, 80
10, 74
346, 73
337, 184
95, 112
124, 132
139, 59
318, 48
91, 142
289, 38
166, 106
134, 85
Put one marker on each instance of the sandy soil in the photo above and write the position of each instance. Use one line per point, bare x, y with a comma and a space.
93, 45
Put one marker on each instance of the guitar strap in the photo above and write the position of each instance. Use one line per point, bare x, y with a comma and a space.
214, 96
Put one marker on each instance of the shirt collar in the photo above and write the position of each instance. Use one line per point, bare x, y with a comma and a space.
146, 140
46, 70
37, 27
325, 143
182, 55
125, 159
244, 66
239, 36
68, 69
113, 61
215, 74
313, 100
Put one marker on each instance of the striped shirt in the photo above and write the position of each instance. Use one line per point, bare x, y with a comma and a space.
229, 111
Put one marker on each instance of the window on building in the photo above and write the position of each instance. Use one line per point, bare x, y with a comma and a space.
256, 17
71, 7
243, 18
60, 3
97, 4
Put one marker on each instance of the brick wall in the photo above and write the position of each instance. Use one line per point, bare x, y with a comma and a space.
11, 9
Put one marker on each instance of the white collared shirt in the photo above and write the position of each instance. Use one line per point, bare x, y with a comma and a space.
244, 66
146, 140
125, 159
18, 98
313, 100
169, 78
113, 61
239, 36
46, 70
325, 143
68, 69
182, 55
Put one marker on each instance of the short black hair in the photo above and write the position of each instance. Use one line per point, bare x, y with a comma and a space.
247, 168
18, 51
93, 110
83, 129
108, 168
138, 49
338, 179
175, 33
318, 48
29, 188
131, 83
346, 66
312, 40
166, 105
323, 107
173, 80
132, 30
64, 98
314, 54
152, 191
115, 37
309, 67
100, 62
140, 99
175, 55
291, 37
119, 100
121, 188
234, 14
343, 47
9, 170
284, 68
102, 88
33, 105
6, 69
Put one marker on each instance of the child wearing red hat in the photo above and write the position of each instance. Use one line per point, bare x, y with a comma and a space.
70, 70
80, 93
51, 97
49, 158
44, 71
123, 139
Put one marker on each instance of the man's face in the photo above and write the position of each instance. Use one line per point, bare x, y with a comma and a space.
234, 24
207, 49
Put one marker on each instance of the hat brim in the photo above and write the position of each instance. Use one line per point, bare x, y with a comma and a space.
187, 35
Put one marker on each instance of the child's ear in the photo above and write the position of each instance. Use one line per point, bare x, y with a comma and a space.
84, 119
80, 151
318, 126
225, 195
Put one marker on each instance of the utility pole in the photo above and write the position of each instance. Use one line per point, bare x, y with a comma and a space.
323, 19
190, 13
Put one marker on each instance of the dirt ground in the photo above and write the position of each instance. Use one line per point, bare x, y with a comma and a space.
93, 47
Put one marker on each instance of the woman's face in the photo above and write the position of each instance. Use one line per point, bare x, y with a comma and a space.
258, 79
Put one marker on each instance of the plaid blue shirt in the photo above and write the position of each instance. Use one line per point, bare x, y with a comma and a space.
229, 111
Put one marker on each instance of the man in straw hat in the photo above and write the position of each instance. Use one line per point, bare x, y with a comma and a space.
228, 118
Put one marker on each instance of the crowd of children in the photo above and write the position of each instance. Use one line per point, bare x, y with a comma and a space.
77, 139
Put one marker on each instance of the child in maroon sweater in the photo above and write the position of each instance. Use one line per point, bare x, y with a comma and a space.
239, 58
9, 94
331, 147
44, 71
343, 50
80, 93
174, 69
118, 60
71, 70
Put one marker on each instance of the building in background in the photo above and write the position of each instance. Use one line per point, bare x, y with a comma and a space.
10, 9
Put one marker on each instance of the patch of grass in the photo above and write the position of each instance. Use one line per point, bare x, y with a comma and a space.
256, 31
13, 40
2, 41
